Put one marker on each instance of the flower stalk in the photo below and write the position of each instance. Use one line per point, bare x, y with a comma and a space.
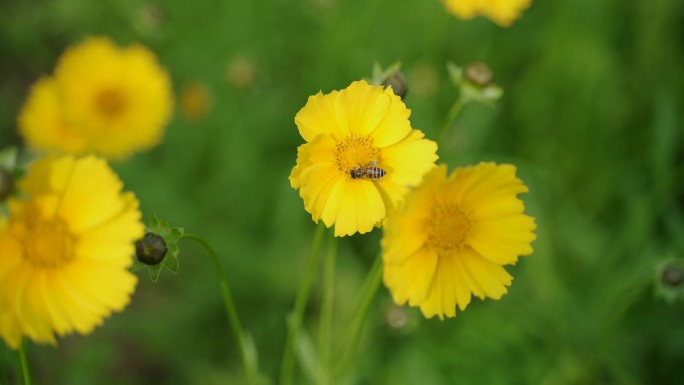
327, 305
370, 288
451, 117
229, 305
297, 315
26, 372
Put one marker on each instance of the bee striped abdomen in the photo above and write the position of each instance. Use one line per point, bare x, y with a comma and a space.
375, 172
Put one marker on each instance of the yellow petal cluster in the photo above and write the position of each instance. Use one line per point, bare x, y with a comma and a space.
452, 237
66, 249
502, 12
103, 99
353, 129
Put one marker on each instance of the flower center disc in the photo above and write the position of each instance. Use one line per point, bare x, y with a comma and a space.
48, 243
448, 230
110, 102
354, 151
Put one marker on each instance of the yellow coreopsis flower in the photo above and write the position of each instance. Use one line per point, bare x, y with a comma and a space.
103, 99
502, 12
66, 250
452, 237
360, 158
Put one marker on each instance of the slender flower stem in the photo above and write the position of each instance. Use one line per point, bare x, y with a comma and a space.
229, 305
370, 288
295, 318
3, 369
24, 363
451, 116
327, 306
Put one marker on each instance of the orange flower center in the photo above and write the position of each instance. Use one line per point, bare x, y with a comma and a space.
47, 243
354, 151
110, 102
448, 229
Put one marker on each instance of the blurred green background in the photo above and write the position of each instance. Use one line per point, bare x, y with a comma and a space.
591, 116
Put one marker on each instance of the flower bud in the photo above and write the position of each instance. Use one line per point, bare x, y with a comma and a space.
479, 74
151, 250
6, 184
397, 81
672, 275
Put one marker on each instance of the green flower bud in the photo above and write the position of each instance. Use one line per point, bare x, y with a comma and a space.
479, 74
151, 250
672, 275
397, 81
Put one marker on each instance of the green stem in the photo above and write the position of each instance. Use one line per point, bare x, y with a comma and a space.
24, 363
327, 306
3, 369
451, 116
229, 305
295, 318
370, 288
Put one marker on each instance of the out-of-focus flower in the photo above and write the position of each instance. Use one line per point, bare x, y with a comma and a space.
502, 12
360, 158
195, 101
66, 250
43, 124
453, 235
241, 72
103, 99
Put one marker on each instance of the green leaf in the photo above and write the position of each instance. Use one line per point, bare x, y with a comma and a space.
154, 271
379, 75
137, 265
308, 359
8, 158
171, 262
153, 222
455, 74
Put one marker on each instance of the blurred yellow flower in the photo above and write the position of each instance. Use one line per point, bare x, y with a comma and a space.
103, 99
195, 101
42, 122
66, 250
452, 236
502, 12
347, 132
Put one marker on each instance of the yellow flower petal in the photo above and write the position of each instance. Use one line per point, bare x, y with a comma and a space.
43, 124
361, 207
502, 12
410, 159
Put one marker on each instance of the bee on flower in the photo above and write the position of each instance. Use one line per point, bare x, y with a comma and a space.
360, 157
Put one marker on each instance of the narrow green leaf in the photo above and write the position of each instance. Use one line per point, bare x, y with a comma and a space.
171, 262
154, 272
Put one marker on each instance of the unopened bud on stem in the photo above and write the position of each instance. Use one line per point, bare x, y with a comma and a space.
151, 250
479, 74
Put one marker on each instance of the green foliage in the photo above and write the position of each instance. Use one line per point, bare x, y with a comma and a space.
591, 116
